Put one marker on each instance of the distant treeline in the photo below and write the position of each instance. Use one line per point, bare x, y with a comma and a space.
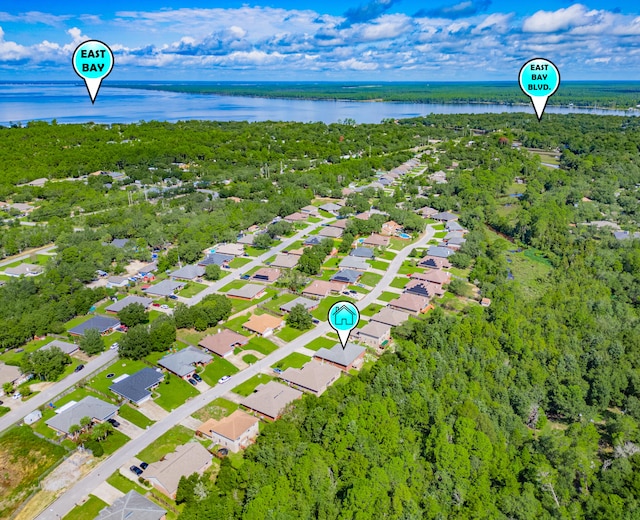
613, 94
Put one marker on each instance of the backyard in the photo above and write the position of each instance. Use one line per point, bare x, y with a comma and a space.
166, 444
293, 360
215, 370
250, 385
174, 392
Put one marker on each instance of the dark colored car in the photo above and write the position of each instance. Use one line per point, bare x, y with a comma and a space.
144, 465
113, 422
78, 368
173, 297
136, 470
192, 381
222, 452
197, 377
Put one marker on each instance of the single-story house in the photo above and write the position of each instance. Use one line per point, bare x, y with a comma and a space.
321, 289
362, 252
117, 281
434, 262
376, 241
165, 288
340, 223
296, 252
427, 212
263, 325
104, 325
132, 506
348, 276
119, 242
444, 216
246, 240
354, 262
310, 210
454, 226
184, 362
485, 302
247, 292
71, 414
390, 228
389, 317
235, 432
188, 272
217, 259
452, 235
308, 304
266, 274
439, 251
330, 207
433, 275
296, 217
285, 261
270, 399
411, 303
313, 377
313, 241
625, 235
230, 249
331, 232
456, 243
24, 270
344, 358
146, 270
65, 346
184, 461
375, 334
224, 342
137, 387
365, 215
129, 300
10, 374
422, 288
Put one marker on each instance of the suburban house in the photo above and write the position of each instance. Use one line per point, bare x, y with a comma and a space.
10, 374
348, 276
247, 292
453, 226
235, 432
216, 259
427, 212
389, 317
376, 241
313, 377
65, 346
390, 228
440, 252
485, 302
331, 207
433, 275
116, 307
263, 325
354, 262
445, 216
185, 460
270, 399
625, 235
311, 210
410, 303
164, 288
454, 243
184, 362
230, 249
345, 359
313, 241
285, 261
331, 232
132, 506
340, 224
422, 288
375, 334
453, 235
146, 271
434, 262
188, 272
308, 304
137, 387
120, 243
117, 281
24, 270
296, 217
71, 414
104, 325
224, 342
246, 240
266, 275
362, 252
321, 289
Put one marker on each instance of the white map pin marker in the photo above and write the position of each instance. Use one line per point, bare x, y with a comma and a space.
343, 317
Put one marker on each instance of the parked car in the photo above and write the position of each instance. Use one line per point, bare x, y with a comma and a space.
277, 370
173, 297
315, 321
113, 422
222, 452
78, 368
192, 381
164, 306
155, 304
1, 403
114, 346
197, 377
136, 470
224, 379
144, 465
17, 395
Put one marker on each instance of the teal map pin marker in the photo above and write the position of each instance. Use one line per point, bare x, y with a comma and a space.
539, 79
343, 318
92, 61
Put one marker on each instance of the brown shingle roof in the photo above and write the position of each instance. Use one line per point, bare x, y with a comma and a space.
231, 427
261, 324
223, 342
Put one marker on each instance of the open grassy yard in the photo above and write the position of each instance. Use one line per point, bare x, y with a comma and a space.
262, 345
249, 359
332, 262
236, 324
398, 244
289, 333
400, 282
409, 267
387, 296
323, 309
239, 262
275, 303
236, 284
118, 481
113, 442
89, 509
370, 279
134, 416
122, 366
174, 392
241, 305
154, 357
387, 255
370, 310
216, 369
217, 409
23, 458
191, 289
294, 360
321, 342
379, 264
166, 443
250, 385
462, 273
530, 271
440, 234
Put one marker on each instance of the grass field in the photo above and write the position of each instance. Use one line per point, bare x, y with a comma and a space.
191, 289
294, 360
241, 305
239, 262
379, 264
372, 309
371, 279
262, 345
275, 303
217, 409
440, 234
249, 359
215, 370
11, 357
174, 392
387, 255
89, 509
134, 416
23, 458
236, 324
289, 333
250, 385
118, 481
387, 296
400, 282
113, 442
530, 271
462, 273
318, 343
166, 443
122, 366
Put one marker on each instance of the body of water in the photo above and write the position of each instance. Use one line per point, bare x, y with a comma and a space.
70, 103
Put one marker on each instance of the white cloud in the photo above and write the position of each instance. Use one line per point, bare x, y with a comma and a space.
562, 19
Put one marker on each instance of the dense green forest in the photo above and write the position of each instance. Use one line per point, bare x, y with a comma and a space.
610, 94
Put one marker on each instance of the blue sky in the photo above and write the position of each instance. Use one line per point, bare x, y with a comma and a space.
416, 40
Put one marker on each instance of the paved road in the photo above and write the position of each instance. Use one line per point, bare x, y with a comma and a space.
27, 255
50, 393
81, 489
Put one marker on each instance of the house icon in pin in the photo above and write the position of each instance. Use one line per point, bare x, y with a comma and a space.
343, 316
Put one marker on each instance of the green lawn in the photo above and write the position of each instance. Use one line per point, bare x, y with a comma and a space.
314, 220
236, 284
462, 273
388, 296
253, 251
262, 345
332, 262
370, 279
326, 274
408, 267
237, 323
275, 303
166, 443
239, 262
174, 392
379, 264
387, 255
118, 481
440, 234
323, 309
215, 370
241, 305
154, 357
90, 509
113, 442
398, 243
217, 409
134, 416
249, 359
530, 271
294, 360
318, 343
250, 385
289, 333
400, 282
11, 357
372, 309
191, 289
122, 366
438, 226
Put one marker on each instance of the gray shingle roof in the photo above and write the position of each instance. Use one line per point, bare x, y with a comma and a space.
183, 362
132, 506
165, 288
217, 259
88, 407
119, 242
305, 302
362, 252
66, 347
346, 275
442, 252
354, 262
188, 272
102, 323
129, 300
338, 355
136, 386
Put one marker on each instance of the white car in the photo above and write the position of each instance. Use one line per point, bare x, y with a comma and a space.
114, 346
223, 379
18, 395
164, 306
